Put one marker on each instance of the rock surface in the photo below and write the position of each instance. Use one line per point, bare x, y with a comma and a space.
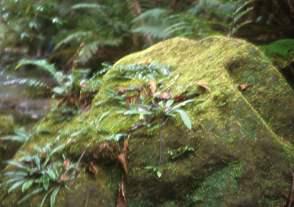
242, 135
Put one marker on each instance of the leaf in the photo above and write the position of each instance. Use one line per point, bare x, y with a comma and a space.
41, 64
165, 95
38, 190
45, 182
66, 163
12, 180
184, 103
56, 149
17, 164
92, 168
16, 185
14, 174
103, 116
244, 86
152, 87
203, 85
51, 174
76, 36
53, 196
158, 174
45, 197
185, 118
27, 185
169, 103
88, 6
59, 90
117, 137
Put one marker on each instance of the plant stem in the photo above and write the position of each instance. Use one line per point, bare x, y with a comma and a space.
161, 141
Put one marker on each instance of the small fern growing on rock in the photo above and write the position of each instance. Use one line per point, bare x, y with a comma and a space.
40, 173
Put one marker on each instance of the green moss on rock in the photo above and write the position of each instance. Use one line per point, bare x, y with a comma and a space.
242, 132
6, 124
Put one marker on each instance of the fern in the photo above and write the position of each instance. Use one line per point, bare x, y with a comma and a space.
42, 64
262, 16
156, 23
161, 24
74, 37
94, 6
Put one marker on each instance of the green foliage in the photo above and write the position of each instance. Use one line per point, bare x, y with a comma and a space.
163, 109
40, 173
283, 48
149, 71
20, 135
66, 83
162, 24
42, 65
94, 6
147, 104
96, 26
87, 27
31, 22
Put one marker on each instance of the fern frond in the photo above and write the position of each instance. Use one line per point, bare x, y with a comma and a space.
154, 31
151, 15
95, 6
238, 17
41, 64
90, 49
87, 52
243, 6
76, 36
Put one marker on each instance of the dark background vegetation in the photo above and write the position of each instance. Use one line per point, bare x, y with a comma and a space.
71, 36
75, 34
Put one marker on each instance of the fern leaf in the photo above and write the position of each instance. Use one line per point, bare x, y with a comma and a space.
77, 36
151, 15
95, 6
153, 31
42, 64
87, 52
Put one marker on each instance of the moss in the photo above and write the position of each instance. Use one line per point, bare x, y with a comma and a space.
6, 124
242, 138
213, 190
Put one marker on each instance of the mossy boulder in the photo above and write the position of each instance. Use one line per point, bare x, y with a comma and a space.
239, 151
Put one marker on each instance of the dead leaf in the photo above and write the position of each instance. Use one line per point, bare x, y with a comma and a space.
165, 96
132, 99
152, 87
203, 85
244, 86
66, 164
122, 90
180, 97
93, 169
121, 200
63, 178
123, 156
